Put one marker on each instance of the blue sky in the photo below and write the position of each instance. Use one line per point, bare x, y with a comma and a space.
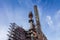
17, 11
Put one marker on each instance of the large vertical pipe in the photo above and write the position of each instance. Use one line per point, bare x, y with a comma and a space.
38, 26
37, 17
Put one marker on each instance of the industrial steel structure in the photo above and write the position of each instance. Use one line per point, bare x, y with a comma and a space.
34, 33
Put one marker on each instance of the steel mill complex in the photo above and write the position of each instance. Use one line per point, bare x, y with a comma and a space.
34, 32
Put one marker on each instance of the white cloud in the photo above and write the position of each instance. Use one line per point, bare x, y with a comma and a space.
54, 24
58, 11
27, 3
57, 15
3, 32
49, 22
54, 21
57, 20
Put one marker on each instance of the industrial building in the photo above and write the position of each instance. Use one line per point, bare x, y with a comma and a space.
34, 33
